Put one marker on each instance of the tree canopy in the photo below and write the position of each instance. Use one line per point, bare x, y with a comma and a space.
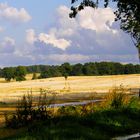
127, 12
67, 69
17, 73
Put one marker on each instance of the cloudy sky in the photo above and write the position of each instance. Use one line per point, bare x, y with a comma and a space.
41, 32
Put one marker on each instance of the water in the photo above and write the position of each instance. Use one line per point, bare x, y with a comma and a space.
73, 103
127, 137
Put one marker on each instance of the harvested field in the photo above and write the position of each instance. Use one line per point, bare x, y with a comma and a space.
77, 84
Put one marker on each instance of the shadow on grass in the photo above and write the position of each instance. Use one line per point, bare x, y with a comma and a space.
74, 122
101, 125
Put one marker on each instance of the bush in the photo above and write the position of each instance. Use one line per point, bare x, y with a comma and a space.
20, 78
28, 112
117, 98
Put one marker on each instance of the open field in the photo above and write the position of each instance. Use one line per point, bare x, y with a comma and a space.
77, 84
75, 88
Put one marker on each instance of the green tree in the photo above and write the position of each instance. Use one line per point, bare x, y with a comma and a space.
66, 69
137, 68
0, 72
119, 68
129, 69
52, 71
77, 70
8, 73
90, 69
20, 73
103, 68
127, 12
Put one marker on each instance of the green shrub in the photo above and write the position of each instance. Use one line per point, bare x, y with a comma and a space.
28, 112
117, 98
19, 78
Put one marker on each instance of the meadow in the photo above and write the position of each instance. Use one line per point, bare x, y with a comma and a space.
74, 85
117, 116
75, 88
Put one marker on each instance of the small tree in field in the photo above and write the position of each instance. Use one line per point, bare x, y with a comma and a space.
34, 76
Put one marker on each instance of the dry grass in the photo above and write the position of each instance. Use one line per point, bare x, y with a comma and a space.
77, 84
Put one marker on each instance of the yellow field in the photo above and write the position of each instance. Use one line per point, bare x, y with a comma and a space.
77, 84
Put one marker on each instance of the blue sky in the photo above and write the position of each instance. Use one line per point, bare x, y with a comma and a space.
41, 32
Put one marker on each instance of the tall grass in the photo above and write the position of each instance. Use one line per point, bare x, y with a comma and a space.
29, 111
120, 115
117, 98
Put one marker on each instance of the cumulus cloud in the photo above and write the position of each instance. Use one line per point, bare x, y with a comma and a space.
30, 36
13, 14
52, 40
7, 45
91, 36
94, 32
48, 39
99, 19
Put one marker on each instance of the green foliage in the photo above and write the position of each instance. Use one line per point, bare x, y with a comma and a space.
8, 73
99, 125
77, 70
69, 110
75, 122
129, 69
134, 103
18, 78
117, 98
20, 73
53, 71
17, 73
90, 69
66, 69
28, 112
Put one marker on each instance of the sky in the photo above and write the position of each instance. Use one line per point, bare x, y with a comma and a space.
40, 32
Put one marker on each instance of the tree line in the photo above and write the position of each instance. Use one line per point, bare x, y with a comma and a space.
67, 69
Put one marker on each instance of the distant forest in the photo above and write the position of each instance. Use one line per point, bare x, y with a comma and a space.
67, 69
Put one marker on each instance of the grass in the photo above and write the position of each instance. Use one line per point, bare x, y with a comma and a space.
14, 90
100, 125
96, 122
77, 123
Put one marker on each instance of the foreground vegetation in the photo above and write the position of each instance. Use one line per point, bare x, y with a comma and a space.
118, 115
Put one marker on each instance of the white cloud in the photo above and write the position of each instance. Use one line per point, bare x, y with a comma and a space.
48, 39
52, 40
9, 40
91, 36
99, 19
13, 14
7, 45
30, 36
